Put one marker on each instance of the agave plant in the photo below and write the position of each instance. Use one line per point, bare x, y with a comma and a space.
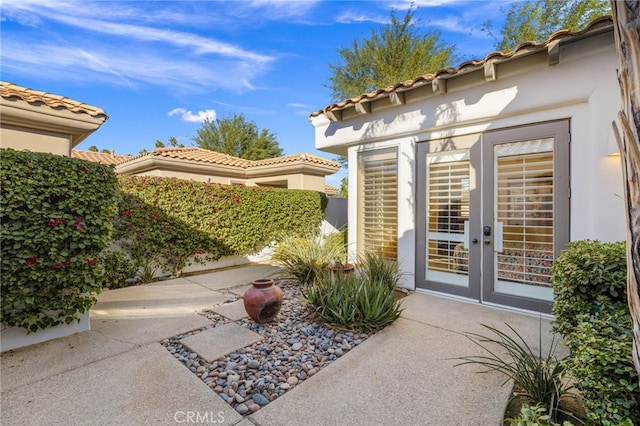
353, 301
375, 267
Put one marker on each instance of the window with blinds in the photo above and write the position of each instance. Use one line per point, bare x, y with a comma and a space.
378, 203
524, 206
448, 210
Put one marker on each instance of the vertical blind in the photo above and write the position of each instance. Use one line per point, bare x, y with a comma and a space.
378, 203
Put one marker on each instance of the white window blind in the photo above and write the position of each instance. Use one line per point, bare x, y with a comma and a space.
378, 203
524, 206
448, 178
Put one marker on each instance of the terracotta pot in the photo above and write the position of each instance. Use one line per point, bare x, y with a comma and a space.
344, 269
263, 300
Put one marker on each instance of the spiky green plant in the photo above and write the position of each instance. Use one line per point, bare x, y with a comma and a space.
353, 302
304, 257
541, 377
375, 267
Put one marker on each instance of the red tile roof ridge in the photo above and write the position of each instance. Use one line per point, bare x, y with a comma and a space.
603, 21
213, 157
10, 90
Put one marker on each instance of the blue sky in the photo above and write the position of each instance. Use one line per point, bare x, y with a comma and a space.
158, 67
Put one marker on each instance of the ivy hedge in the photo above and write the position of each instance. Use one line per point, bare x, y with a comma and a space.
166, 222
55, 216
58, 215
593, 315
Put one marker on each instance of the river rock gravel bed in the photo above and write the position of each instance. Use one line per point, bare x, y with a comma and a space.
296, 346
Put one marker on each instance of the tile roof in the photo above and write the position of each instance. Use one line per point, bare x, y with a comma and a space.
330, 189
212, 157
524, 48
10, 91
100, 157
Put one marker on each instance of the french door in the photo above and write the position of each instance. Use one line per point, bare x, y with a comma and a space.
493, 213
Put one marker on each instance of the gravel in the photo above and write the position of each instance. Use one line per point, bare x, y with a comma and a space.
296, 346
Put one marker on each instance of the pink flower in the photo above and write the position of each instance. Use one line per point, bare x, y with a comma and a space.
57, 265
91, 262
67, 263
199, 252
154, 216
31, 261
127, 213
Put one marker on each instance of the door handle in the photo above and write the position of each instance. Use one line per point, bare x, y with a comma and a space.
474, 241
487, 242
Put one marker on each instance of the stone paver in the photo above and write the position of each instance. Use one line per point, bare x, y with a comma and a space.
140, 387
219, 341
240, 290
234, 311
234, 277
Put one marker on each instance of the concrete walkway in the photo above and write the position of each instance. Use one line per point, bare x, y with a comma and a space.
118, 373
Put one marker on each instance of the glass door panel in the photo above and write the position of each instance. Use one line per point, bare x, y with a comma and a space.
524, 213
448, 178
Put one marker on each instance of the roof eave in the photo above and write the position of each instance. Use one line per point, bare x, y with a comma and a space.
18, 113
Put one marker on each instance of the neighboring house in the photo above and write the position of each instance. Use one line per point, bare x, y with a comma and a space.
299, 171
108, 158
43, 122
475, 178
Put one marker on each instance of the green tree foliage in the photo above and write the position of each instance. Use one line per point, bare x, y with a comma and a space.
173, 142
537, 20
93, 148
399, 51
235, 136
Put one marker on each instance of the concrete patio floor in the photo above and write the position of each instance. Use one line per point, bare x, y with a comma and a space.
118, 373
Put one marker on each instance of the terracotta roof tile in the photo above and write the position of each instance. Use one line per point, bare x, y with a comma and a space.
212, 157
10, 90
100, 157
330, 190
523, 48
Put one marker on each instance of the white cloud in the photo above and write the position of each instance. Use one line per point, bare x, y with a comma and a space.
349, 17
198, 117
180, 59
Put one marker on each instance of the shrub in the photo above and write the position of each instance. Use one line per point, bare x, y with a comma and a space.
305, 258
589, 277
353, 302
542, 376
601, 362
534, 416
118, 269
155, 239
592, 313
240, 219
376, 267
55, 220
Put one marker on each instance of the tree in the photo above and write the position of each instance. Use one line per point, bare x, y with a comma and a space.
173, 142
235, 136
537, 20
626, 17
398, 52
93, 148
105, 151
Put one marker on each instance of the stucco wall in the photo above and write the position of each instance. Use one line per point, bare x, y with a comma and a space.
20, 138
289, 181
582, 88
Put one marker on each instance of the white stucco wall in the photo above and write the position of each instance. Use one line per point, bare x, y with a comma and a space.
582, 88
